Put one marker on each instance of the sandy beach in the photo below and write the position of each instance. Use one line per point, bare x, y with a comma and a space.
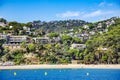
72, 66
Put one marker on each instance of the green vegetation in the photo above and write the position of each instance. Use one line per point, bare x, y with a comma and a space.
66, 38
76, 40
3, 20
51, 35
101, 47
105, 47
2, 41
31, 47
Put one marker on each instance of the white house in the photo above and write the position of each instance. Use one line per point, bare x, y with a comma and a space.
78, 46
41, 40
85, 26
92, 32
103, 49
106, 30
112, 21
26, 28
18, 39
99, 25
108, 23
3, 24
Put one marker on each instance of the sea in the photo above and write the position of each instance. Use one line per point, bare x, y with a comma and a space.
60, 74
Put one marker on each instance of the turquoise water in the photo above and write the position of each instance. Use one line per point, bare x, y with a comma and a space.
61, 74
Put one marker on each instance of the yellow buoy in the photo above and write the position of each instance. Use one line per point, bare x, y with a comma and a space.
15, 73
46, 73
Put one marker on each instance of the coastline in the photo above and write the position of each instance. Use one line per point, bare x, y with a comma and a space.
62, 66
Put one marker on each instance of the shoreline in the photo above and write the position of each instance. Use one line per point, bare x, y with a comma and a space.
59, 66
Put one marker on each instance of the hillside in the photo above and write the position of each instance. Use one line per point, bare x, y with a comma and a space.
104, 48
56, 26
88, 43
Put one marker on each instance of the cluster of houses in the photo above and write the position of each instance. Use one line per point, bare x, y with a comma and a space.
11, 40
14, 41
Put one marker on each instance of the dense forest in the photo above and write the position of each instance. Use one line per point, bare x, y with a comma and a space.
104, 48
52, 26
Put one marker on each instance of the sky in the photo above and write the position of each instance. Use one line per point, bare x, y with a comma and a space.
50, 10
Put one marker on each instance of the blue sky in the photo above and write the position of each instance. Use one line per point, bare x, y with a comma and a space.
49, 10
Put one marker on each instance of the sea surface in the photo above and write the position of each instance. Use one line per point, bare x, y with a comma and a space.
61, 74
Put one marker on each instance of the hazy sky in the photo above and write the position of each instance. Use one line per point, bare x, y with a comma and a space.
47, 10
